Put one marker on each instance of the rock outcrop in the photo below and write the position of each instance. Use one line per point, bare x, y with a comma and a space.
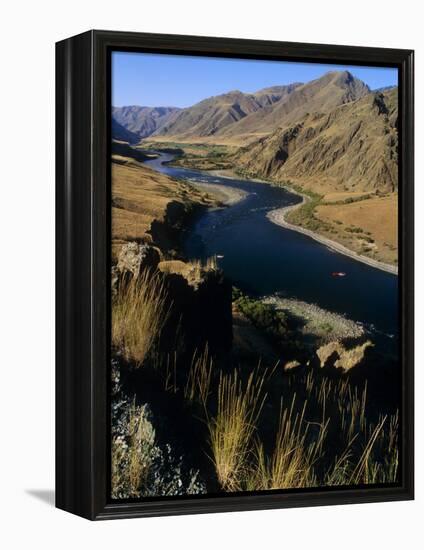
162, 472
334, 354
135, 257
198, 299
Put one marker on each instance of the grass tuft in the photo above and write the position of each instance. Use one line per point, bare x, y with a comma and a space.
138, 316
231, 432
323, 438
199, 378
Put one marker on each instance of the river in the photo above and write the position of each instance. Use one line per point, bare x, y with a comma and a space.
263, 258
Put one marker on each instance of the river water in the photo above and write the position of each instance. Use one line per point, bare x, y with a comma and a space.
263, 258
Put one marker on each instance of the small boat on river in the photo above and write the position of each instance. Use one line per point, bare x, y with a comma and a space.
338, 274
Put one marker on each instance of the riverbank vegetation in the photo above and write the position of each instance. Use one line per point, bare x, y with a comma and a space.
374, 231
327, 212
197, 156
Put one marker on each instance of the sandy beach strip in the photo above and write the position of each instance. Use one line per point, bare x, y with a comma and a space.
278, 217
225, 194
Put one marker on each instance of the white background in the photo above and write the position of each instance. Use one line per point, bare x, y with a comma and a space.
28, 33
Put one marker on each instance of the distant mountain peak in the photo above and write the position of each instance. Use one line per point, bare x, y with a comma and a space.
238, 116
232, 92
342, 79
278, 89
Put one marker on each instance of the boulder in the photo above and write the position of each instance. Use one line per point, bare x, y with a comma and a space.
135, 257
290, 365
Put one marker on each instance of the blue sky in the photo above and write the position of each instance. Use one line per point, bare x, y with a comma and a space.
180, 81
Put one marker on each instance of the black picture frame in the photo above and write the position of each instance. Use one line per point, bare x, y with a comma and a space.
82, 269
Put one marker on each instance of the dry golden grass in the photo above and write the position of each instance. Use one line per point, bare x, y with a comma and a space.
199, 378
139, 195
231, 431
303, 454
291, 463
378, 216
138, 316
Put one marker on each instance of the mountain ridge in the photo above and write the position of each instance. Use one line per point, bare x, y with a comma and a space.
142, 121
209, 116
352, 147
239, 116
319, 95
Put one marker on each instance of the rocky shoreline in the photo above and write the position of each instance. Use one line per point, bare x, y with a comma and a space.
317, 322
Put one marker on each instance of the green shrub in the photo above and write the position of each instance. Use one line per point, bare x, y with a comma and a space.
354, 229
262, 316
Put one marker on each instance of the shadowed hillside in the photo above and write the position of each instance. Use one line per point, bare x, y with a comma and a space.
143, 121
120, 133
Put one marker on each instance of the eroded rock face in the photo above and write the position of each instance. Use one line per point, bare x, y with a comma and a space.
336, 355
135, 257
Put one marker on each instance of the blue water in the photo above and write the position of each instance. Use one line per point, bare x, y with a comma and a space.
264, 258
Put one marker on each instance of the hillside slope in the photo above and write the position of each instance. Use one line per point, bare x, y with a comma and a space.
143, 121
120, 133
149, 206
353, 147
318, 96
210, 116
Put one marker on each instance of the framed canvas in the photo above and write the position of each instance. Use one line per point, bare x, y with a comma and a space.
234, 274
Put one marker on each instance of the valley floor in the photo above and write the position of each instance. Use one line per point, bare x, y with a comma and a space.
360, 225
371, 240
